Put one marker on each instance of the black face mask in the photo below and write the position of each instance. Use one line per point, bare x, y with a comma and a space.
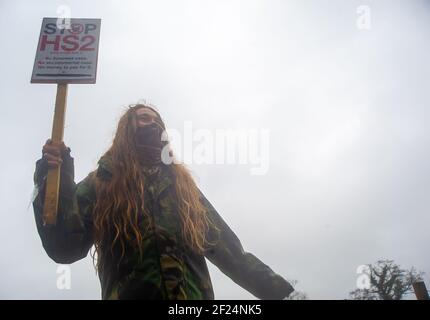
149, 144
149, 135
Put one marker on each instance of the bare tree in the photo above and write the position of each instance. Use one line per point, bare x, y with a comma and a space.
387, 281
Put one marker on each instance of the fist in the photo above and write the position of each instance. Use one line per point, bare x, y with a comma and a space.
52, 152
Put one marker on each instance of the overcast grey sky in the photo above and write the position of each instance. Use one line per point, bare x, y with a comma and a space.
347, 109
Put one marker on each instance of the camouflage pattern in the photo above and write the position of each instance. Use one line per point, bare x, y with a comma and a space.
168, 269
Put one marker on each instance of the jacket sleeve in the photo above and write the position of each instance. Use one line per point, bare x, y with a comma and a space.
70, 238
226, 252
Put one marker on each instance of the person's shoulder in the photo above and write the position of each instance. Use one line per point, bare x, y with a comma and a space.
87, 185
104, 169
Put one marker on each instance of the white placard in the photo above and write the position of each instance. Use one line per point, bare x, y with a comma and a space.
67, 51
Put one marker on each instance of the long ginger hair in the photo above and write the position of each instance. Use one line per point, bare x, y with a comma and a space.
119, 200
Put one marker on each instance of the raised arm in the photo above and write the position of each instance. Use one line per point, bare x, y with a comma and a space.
242, 267
71, 238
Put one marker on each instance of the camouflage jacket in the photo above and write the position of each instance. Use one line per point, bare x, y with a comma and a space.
168, 269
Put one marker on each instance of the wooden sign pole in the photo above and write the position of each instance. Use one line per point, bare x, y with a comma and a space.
53, 179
